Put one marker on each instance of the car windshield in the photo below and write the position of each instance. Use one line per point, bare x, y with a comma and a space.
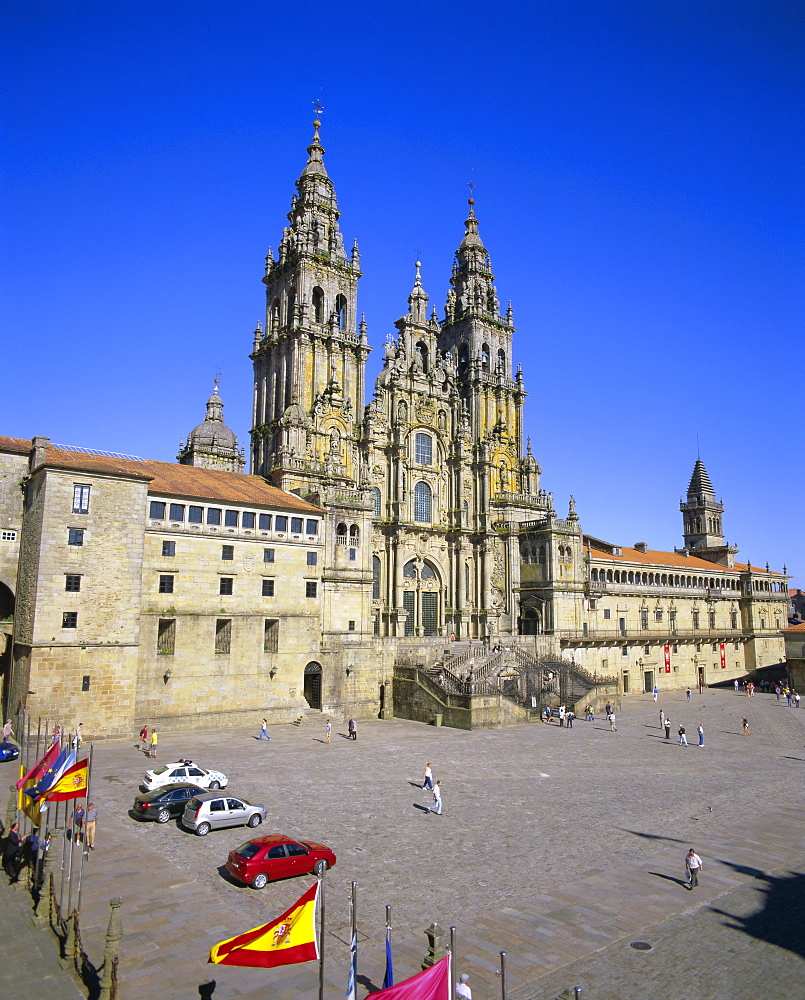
247, 850
160, 770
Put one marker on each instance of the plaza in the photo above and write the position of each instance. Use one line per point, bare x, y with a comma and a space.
560, 846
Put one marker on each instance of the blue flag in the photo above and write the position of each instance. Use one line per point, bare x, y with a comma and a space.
388, 979
65, 759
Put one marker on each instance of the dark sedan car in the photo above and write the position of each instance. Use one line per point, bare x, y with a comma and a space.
264, 859
9, 751
166, 802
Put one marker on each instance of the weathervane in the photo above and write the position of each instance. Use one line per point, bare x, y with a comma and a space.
318, 107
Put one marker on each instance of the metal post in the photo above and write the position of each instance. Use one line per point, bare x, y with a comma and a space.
453, 970
577, 992
84, 848
321, 935
503, 975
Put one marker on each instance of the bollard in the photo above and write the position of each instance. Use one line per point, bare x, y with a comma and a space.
68, 960
114, 932
577, 992
435, 947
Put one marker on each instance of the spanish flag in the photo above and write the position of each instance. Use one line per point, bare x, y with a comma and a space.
24, 802
289, 939
71, 785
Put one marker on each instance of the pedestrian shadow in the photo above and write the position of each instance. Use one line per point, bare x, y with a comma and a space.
415, 784
652, 836
671, 878
784, 757
344, 736
367, 982
421, 808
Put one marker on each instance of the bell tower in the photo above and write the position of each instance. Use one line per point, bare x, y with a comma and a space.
701, 518
310, 357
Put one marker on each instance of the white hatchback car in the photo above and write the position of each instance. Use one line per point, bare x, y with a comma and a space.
184, 771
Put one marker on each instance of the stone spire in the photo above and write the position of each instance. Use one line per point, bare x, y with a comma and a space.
418, 299
700, 484
473, 288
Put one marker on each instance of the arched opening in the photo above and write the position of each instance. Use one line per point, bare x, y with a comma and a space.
485, 357
341, 311
312, 684
502, 361
354, 535
318, 304
6, 603
463, 356
422, 353
530, 621
421, 599
423, 449
290, 314
341, 534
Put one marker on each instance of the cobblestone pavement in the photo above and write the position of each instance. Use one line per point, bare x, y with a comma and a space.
554, 844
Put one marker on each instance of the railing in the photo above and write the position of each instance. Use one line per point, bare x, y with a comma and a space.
657, 634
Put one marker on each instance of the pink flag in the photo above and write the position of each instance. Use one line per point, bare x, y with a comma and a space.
432, 984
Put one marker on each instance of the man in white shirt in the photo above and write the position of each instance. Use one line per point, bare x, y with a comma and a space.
462, 989
693, 863
437, 799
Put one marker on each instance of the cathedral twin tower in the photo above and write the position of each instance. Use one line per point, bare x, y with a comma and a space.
431, 473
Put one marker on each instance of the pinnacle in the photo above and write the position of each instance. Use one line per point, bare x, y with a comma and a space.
700, 481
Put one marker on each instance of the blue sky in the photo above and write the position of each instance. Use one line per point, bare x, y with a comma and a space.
638, 172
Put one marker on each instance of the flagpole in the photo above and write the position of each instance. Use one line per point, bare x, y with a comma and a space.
64, 841
84, 848
503, 975
452, 962
353, 946
321, 934
388, 979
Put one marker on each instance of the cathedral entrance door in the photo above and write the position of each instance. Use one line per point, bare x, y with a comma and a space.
648, 681
312, 690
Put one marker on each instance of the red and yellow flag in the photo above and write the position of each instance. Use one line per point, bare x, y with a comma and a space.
289, 939
71, 785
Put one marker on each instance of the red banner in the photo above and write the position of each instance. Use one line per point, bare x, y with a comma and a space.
722, 650
667, 655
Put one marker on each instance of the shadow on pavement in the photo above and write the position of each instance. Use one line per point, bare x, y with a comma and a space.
781, 918
671, 878
652, 836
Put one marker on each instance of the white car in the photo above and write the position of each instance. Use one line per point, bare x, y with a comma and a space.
184, 771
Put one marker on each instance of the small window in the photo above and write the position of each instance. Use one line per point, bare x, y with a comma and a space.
296, 525
231, 519
644, 620
72, 583
658, 616
312, 526
695, 619
310, 588
166, 636
423, 449
213, 515
280, 523
271, 635
376, 502
165, 584
8, 536
75, 536
228, 552
69, 619
312, 558
247, 521
647, 650
195, 515
81, 499
352, 555
712, 619
177, 512
223, 635
268, 555
607, 613
593, 604
268, 588
351, 626
157, 510
625, 651
169, 549
265, 522
225, 585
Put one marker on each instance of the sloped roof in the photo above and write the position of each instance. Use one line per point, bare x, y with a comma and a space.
19, 445
700, 481
797, 629
675, 559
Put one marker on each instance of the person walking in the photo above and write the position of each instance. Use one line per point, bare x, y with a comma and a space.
656, 692
700, 731
78, 823
589, 715
8, 731
789, 697
437, 799
79, 736
548, 714
463, 988
90, 823
562, 714
263, 731
746, 731
570, 715
796, 699
352, 728
153, 741
687, 694
693, 865
667, 725
683, 739
608, 710
611, 720
662, 718
143, 739
736, 685
427, 777
328, 728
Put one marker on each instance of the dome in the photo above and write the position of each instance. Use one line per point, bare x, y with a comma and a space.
212, 444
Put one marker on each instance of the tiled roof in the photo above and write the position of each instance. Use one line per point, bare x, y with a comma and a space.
655, 558
20, 445
799, 629
183, 480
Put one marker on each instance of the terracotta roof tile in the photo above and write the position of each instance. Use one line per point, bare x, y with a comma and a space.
20, 445
184, 480
656, 558
795, 628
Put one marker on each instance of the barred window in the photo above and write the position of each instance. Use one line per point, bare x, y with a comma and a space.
69, 619
228, 552
75, 536
231, 519
280, 523
376, 570
296, 525
195, 515
422, 502
225, 585
213, 515
165, 584
312, 526
72, 583
376, 502
268, 588
271, 635
310, 588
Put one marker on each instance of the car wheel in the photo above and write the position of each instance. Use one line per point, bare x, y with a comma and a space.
215, 785
203, 829
319, 868
163, 816
260, 881
255, 820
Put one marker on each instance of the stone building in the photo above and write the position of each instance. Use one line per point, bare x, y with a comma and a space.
394, 525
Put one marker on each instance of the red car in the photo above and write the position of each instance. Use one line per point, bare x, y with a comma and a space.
264, 859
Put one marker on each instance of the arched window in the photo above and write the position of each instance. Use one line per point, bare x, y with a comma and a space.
318, 304
501, 360
290, 315
422, 503
341, 534
375, 578
354, 535
341, 311
594, 575
423, 449
376, 501
428, 572
463, 355
485, 357
409, 570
